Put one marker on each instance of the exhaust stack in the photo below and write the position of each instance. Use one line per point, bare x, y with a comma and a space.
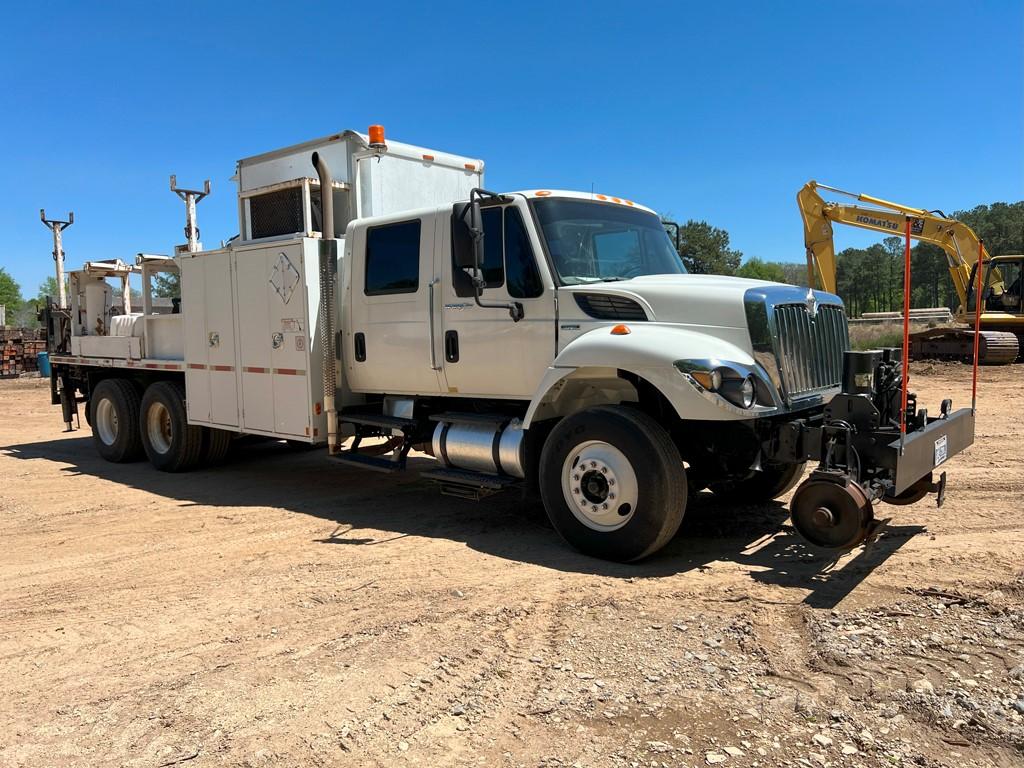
328, 272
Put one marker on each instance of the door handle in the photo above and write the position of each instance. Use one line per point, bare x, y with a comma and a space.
451, 346
430, 323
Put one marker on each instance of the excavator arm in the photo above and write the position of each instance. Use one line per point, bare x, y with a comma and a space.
955, 238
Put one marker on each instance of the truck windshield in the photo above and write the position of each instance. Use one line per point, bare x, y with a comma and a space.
591, 241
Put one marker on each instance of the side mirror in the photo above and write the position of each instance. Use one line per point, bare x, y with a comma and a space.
468, 249
464, 249
672, 228
476, 231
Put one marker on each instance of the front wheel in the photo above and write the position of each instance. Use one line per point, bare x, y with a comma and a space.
613, 483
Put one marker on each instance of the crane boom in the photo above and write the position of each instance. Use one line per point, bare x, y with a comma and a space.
957, 240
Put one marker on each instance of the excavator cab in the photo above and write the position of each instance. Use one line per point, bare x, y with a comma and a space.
1003, 289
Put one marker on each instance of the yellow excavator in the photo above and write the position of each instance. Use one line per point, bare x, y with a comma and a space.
1002, 316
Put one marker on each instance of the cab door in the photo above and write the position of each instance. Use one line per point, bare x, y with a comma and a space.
484, 352
393, 308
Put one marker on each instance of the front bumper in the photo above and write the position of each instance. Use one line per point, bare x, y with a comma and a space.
927, 448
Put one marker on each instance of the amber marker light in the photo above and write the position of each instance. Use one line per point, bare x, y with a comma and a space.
620, 330
377, 136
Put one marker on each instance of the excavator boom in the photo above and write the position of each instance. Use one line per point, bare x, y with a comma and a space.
955, 238
959, 243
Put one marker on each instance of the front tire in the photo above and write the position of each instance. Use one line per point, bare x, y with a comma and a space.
613, 483
171, 444
113, 414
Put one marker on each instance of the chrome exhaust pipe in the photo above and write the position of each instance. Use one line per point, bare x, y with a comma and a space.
328, 272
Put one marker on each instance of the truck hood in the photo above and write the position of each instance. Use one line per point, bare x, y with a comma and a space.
704, 300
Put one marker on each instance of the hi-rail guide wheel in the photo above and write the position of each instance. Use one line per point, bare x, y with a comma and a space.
835, 515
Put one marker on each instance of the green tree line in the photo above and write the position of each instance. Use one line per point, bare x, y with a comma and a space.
21, 312
868, 279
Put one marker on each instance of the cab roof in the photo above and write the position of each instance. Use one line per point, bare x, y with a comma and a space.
596, 196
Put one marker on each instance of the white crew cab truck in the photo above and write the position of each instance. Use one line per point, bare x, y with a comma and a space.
544, 339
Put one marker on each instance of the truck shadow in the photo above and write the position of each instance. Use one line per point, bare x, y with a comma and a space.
372, 509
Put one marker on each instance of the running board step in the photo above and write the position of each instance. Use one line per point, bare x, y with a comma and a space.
376, 463
466, 484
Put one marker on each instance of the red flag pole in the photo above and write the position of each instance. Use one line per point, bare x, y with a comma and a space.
979, 276
906, 337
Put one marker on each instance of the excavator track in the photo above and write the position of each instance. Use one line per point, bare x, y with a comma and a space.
994, 348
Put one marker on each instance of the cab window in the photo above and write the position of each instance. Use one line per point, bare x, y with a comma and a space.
393, 258
508, 256
520, 264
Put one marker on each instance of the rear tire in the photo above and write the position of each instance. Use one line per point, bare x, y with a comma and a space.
613, 483
769, 483
113, 414
216, 443
171, 444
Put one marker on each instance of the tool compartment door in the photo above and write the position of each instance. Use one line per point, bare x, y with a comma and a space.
273, 340
197, 376
210, 377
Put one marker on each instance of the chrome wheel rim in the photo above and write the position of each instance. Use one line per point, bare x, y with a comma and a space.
105, 419
158, 427
599, 485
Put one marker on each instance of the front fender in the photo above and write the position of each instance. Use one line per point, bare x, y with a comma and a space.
649, 351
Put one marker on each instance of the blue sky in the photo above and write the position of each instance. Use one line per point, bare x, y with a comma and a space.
717, 111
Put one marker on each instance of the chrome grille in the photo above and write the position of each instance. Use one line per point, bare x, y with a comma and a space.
810, 349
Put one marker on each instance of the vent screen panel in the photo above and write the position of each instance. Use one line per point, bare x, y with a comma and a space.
605, 306
276, 213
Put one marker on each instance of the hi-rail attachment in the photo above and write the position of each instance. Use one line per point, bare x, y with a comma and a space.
863, 454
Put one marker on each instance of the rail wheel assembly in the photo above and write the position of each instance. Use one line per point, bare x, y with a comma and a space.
831, 514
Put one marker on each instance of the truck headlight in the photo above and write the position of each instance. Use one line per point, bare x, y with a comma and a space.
740, 391
735, 383
748, 392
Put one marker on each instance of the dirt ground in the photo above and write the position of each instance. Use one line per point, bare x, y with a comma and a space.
284, 611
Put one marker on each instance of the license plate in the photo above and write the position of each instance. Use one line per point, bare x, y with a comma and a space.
941, 450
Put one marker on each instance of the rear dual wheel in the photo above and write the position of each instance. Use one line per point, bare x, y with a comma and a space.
113, 414
171, 443
613, 483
